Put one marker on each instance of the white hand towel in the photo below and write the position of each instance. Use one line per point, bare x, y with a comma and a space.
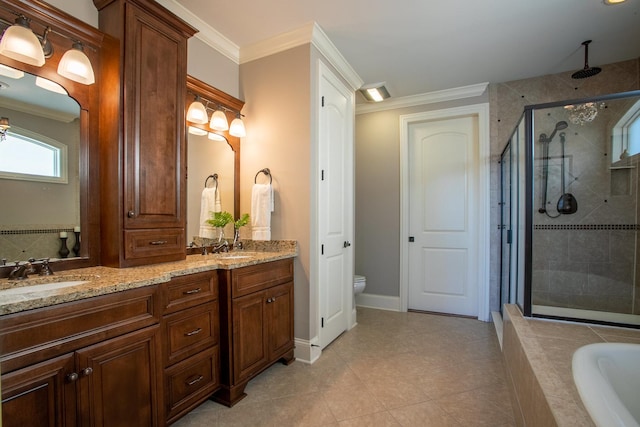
261, 206
209, 202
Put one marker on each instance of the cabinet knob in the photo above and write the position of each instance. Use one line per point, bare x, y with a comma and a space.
131, 214
72, 377
271, 299
87, 371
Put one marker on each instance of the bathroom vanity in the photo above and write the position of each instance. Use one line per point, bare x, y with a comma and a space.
143, 345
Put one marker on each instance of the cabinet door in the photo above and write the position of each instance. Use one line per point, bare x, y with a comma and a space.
250, 347
280, 319
154, 85
40, 395
118, 381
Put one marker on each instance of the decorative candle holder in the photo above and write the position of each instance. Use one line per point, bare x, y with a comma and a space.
76, 246
64, 251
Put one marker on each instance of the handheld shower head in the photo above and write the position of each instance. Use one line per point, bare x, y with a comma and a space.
561, 125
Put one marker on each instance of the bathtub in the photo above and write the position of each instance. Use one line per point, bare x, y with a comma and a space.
607, 376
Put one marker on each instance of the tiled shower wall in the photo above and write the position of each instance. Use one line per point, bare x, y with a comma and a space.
592, 249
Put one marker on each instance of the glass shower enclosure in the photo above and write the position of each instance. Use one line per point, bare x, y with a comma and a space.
569, 211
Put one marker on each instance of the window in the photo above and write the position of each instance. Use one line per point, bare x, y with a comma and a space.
26, 155
625, 138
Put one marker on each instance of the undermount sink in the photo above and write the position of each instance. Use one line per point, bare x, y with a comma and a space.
234, 256
607, 376
42, 287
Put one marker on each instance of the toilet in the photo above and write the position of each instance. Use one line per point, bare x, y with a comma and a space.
359, 283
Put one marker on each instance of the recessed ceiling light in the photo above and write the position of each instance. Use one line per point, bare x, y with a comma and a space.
614, 1
375, 92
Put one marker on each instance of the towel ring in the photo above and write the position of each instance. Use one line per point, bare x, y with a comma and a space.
215, 179
265, 171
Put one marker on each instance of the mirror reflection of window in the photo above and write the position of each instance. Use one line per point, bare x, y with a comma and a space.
47, 158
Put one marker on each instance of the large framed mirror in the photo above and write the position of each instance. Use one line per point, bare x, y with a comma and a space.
213, 157
41, 209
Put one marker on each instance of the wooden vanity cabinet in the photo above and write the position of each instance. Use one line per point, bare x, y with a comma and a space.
256, 310
191, 336
143, 162
89, 362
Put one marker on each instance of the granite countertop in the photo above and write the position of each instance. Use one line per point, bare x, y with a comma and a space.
21, 295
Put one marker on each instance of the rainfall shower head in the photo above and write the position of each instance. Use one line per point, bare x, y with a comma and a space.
586, 71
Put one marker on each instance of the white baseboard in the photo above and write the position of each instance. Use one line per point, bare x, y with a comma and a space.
382, 302
306, 351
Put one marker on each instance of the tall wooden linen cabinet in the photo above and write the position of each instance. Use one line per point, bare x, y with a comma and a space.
142, 133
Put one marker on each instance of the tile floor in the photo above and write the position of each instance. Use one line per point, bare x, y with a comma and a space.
393, 369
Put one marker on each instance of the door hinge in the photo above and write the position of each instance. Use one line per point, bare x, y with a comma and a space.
509, 238
322, 175
323, 101
411, 239
321, 249
322, 322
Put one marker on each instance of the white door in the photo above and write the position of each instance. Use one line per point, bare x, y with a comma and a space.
443, 215
335, 205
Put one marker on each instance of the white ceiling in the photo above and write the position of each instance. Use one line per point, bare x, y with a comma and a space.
420, 46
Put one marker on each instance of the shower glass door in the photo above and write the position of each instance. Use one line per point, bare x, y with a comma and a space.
583, 188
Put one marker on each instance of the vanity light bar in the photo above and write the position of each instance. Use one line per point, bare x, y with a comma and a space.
198, 113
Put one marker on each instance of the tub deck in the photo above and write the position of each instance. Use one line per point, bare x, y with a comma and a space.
537, 355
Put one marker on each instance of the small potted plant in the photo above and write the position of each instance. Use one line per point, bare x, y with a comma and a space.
240, 222
220, 220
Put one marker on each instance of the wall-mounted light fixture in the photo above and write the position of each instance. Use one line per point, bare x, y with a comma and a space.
198, 113
375, 92
20, 43
237, 127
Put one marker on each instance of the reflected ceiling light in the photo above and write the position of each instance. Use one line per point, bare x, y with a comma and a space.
7, 71
375, 92
197, 113
219, 121
4, 127
614, 1
50, 85
216, 137
237, 127
75, 65
20, 43
197, 131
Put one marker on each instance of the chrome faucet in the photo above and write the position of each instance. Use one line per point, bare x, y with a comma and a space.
21, 271
222, 247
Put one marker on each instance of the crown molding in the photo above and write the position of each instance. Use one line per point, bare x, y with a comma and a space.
308, 33
424, 98
206, 33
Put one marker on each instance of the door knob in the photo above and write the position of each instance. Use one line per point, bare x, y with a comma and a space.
346, 244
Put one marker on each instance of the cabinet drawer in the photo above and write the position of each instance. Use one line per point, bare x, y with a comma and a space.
190, 331
190, 382
189, 291
35, 335
255, 278
154, 242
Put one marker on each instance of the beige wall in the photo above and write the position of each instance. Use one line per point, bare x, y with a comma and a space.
377, 189
277, 93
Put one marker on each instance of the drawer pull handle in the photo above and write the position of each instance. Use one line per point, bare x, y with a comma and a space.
195, 380
194, 332
192, 291
158, 242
